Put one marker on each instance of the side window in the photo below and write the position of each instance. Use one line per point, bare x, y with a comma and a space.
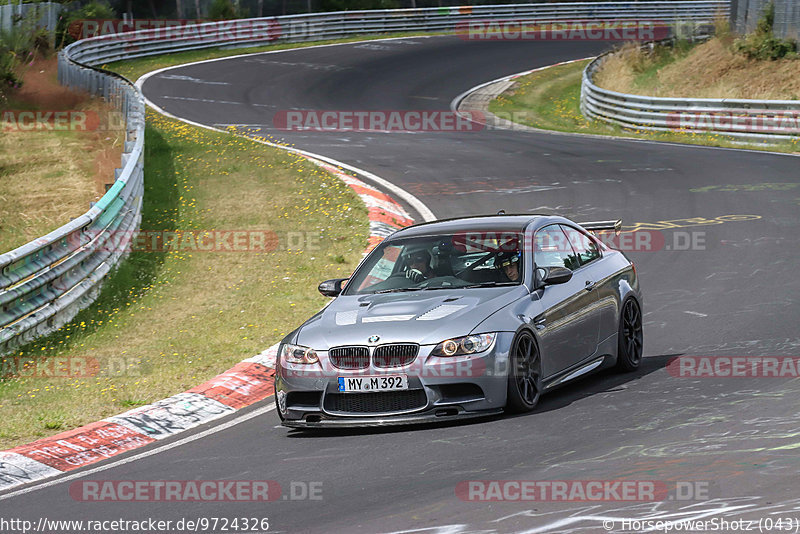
551, 248
584, 246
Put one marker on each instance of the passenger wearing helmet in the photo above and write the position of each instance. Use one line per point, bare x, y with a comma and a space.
508, 263
419, 265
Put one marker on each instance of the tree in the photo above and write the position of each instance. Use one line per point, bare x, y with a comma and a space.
221, 9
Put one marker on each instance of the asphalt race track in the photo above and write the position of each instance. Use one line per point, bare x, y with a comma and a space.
736, 293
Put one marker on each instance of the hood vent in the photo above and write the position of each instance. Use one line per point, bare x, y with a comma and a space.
440, 312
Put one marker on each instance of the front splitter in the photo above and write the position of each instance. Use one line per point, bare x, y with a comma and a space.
359, 422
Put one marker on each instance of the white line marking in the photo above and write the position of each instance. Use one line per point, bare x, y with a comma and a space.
212, 101
191, 79
145, 454
696, 313
209, 100
426, 214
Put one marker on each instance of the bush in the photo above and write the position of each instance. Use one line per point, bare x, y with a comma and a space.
8, 73
762, 43
221, 10
97, 9
722, 27
16, 45
766, 47
41, 42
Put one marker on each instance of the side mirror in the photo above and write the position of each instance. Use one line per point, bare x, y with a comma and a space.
549, 276
332, 288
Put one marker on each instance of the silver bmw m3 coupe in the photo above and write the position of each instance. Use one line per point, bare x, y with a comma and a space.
462, 318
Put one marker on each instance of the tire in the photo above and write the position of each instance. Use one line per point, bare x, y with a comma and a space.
278, 408
630, 337
525, 374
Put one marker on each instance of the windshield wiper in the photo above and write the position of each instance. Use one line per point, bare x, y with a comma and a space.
469, 286
433, 288
399, 290
491, 284
429, 288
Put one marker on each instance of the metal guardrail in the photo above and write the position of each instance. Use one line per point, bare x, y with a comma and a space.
751, 119
43, 15
746, 13
324, 26
44, 283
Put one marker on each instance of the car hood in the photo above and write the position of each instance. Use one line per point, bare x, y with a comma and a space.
424, 317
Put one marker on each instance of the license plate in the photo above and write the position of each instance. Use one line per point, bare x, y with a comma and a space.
373, 383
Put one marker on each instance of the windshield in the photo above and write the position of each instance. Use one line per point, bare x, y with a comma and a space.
463, 260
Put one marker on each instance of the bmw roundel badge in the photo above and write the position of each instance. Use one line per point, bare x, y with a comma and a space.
373, 339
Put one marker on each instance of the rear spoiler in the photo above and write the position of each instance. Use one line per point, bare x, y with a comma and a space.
603, 225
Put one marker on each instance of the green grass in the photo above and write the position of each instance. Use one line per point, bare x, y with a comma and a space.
661, 56
546, 99
167, 321
45, 179
48, 177
550, 100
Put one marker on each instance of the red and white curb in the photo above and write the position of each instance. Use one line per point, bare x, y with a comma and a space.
246, 383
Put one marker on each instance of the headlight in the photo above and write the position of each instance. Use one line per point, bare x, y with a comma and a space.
298, 354
464, 345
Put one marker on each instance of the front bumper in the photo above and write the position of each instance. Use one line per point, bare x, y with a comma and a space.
440, 389
378, 421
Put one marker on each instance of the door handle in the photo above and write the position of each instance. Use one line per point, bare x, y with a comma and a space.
589, 285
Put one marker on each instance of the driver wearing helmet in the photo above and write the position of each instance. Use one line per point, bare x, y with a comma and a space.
508, 263
419, 265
